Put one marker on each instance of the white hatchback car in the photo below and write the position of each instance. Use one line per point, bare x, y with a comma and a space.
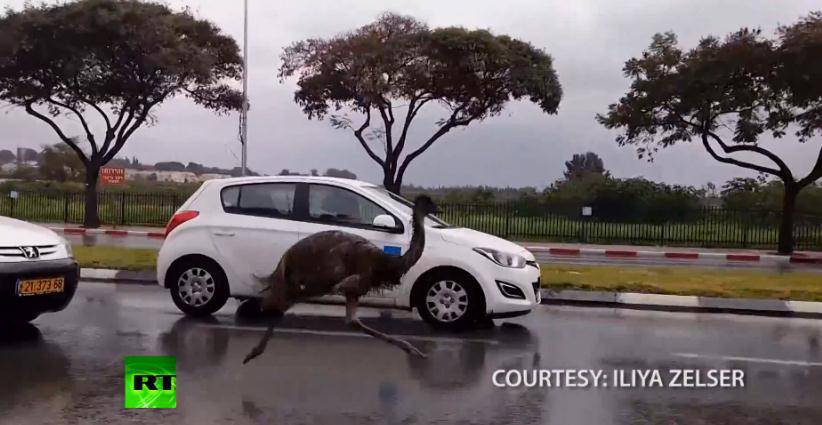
232, 231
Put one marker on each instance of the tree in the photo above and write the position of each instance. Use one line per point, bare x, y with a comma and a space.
26, 155
60, 163
728, 94
584, 164
169, 166
342, 173
111, 62
390, 69
7, 156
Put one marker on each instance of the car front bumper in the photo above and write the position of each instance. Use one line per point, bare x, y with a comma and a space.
500, 306
10, 273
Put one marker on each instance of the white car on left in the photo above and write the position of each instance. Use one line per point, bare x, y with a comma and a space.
38, 273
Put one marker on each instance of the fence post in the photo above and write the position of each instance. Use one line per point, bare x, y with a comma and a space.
508, 220
122, 208
662, 234
65, 206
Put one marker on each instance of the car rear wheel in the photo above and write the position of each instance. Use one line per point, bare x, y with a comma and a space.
198, 287
450, 300
21, 317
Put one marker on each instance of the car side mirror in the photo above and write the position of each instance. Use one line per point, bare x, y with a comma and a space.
385, 221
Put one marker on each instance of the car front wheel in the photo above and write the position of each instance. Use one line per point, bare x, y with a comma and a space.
450, 301
198, 287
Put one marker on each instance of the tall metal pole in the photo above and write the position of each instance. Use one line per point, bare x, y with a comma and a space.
244, 117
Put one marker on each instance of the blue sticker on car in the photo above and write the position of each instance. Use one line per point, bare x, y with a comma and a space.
393, 250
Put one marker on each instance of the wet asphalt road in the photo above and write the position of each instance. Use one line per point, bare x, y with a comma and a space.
67, 368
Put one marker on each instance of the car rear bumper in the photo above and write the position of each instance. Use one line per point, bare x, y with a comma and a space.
10, 273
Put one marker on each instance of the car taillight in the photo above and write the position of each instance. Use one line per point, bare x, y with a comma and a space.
180, 218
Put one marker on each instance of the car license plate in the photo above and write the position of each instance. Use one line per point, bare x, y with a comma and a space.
28, 287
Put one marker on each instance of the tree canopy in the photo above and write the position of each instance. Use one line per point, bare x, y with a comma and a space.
584, 164
388, 70
728, 93
111, 62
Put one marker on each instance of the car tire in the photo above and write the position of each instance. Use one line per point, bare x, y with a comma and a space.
23, 317
450, 300
198, 287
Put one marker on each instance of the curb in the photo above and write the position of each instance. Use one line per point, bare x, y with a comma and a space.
630, 300
675, 255
125, 276
109, 232
767, 307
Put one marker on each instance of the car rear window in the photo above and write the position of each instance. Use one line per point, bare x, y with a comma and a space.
261, 199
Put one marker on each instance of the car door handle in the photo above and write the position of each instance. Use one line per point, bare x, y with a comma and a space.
227, 234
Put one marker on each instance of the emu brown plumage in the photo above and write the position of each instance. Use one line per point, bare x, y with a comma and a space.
342, 263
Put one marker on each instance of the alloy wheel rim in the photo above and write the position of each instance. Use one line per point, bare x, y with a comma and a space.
447, 300
196, 287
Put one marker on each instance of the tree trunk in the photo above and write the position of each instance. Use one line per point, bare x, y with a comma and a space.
786, 225
90, 217
391, 183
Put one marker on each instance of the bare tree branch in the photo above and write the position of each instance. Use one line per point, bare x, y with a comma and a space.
358, 135
815, 174
388, 121
736, 162
783, 168
413, 108
89, 135
67, 140
445, 128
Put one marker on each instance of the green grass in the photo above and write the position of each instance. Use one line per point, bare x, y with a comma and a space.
109, 257
726, 283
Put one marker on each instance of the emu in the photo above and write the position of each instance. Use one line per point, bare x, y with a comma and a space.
335, 262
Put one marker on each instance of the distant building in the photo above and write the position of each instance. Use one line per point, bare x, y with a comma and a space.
213, 176
162, 176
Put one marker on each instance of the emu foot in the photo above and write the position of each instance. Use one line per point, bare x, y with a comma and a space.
256, 351
401, 343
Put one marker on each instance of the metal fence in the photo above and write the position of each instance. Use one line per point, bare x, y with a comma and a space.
115, 208
704, 227
707, 227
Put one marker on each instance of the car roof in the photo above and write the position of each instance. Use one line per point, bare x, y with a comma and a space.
291, 179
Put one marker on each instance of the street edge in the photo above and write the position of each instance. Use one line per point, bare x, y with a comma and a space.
632, 300
687, 303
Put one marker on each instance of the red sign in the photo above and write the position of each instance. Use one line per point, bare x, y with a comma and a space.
112, 175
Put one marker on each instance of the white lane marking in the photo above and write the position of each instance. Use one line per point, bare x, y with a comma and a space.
749, 359
353, 334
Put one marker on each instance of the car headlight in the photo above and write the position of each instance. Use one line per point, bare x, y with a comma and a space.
69, 252
504, 259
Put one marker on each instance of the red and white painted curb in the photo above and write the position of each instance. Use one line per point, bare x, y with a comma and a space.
684, 256
109, 232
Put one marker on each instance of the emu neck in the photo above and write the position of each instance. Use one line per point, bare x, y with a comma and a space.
417, 242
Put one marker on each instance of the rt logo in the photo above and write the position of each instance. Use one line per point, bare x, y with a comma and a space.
151, 382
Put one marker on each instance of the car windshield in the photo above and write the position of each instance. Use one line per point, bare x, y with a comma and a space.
406, 206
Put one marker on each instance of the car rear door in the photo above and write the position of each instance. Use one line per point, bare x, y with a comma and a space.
331, 207
256, 229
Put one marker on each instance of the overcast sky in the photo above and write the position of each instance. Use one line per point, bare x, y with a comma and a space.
589, 41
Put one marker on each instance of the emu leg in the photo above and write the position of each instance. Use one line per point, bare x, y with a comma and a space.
269, 332
351, 318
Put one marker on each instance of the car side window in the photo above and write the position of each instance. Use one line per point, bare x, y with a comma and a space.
264, 199
335, 205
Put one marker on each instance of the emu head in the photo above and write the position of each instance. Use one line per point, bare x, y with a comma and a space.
424, 205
